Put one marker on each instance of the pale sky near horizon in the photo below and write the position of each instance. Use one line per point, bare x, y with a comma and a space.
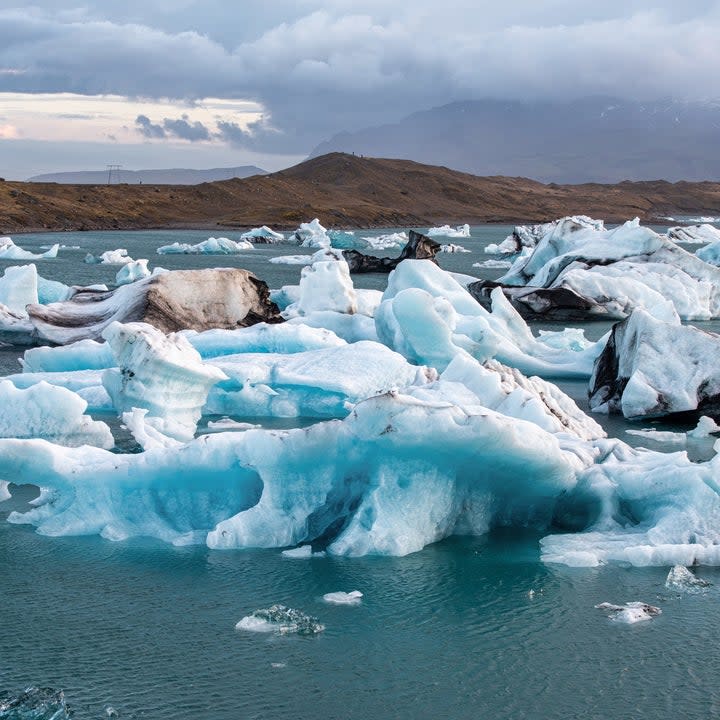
207, 83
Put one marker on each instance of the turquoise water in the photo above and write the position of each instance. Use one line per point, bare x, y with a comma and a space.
450, 632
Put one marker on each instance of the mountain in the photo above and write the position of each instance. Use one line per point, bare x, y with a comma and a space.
343, 191
589, 140
174, 176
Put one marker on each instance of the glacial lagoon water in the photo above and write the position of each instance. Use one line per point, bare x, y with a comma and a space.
467, 628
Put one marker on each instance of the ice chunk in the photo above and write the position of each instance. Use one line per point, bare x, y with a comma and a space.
694, 234
299, 553
461, 231
10, 251
384, 242
4, 490
631, 612
325, 285
451, 248
635, 374
34, 704
619, 270
312, 235
291, 260
226, 423
354, 597
680, 578
710, 253
132, 271
282, 620
163, 374
493, 264
81, 355
263, 235
53, 413
109, 257
211, 246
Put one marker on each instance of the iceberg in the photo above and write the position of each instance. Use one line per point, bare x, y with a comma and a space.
171, 301
528, 236
450, 248
263, 236
417, 247
311, 235
636, 375
291, 260
132, 271
53, 413
211, 246
388, 241
428, 317
10, 251
618, 270
462, 231
160, 373
680, 578
694, 234
109, 257
494, 264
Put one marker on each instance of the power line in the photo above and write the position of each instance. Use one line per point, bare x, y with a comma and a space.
113, 169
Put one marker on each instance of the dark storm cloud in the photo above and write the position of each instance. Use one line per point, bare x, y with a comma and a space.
319, 67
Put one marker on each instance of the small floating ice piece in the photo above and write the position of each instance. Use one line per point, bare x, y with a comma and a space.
282, 620
354, 597
631, 612
493, 264
447, 231
452, 248
34, 702
298, 553
680, 578
291, 260
109, 257
229, 424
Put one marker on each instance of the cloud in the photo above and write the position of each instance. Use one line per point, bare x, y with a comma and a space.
146, 128
320, 67
186, 130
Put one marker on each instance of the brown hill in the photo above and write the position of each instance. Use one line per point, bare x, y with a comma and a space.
343, 191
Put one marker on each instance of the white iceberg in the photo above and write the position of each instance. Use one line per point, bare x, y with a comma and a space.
311, 235
109, 257
619, 270
389, 241
680, 578
132, 271
354, 597
631, 612
282, 620
461, 231
451, 248
636, 375
52, 413
10, 251
694, 234
161, 373
291, 260
494, 264
211, 246
263, 235
526, 237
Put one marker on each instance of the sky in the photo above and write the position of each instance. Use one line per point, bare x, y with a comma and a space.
212, 83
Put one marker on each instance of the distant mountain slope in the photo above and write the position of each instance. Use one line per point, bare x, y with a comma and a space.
173, 176
343, 191
590, 140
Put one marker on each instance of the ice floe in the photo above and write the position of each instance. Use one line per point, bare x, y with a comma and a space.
461, 231
528, 236
451, 248
631, 612
354, 597
34, 704
312, 235
132, 271
263, 236
109, 257
680, 578
10, 251
211, 246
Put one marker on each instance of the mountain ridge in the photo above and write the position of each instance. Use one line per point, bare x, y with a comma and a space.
163, 176
342, 191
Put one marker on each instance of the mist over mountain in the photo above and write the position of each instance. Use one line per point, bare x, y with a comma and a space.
173, 176
598, 139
